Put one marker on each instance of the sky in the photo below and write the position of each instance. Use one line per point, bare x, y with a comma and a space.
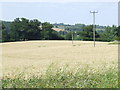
68, 12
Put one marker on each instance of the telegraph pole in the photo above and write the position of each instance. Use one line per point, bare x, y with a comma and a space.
72, 37
94, 29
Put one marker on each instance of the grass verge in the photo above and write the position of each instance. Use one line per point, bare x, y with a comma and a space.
114, 43
64, 77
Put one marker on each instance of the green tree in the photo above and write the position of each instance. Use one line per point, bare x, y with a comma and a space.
24, 29
16, 27
33, 31
5, 34
116, 32
109, 34
87, 33
69, 36
47, 31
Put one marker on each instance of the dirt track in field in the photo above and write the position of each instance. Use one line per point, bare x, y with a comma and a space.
36, 56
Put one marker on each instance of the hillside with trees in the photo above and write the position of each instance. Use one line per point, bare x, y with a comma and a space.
22, 29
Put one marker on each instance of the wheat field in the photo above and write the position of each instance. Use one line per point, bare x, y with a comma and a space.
36, 56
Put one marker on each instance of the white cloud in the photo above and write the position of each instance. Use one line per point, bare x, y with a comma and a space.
59, 1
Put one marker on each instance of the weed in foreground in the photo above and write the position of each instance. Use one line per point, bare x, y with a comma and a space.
63, 77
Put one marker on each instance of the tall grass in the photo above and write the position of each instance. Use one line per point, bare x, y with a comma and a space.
64, 77
114, 43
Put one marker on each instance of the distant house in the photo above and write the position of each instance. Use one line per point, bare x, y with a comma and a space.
57, 29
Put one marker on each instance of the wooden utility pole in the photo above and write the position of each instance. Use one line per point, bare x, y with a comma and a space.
94, 29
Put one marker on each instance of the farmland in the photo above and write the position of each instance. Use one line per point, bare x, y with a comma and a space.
35, 57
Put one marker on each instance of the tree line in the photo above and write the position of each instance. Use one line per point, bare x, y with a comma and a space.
86, 33
22, 29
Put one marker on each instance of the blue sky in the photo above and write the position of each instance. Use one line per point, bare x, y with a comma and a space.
55, 12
